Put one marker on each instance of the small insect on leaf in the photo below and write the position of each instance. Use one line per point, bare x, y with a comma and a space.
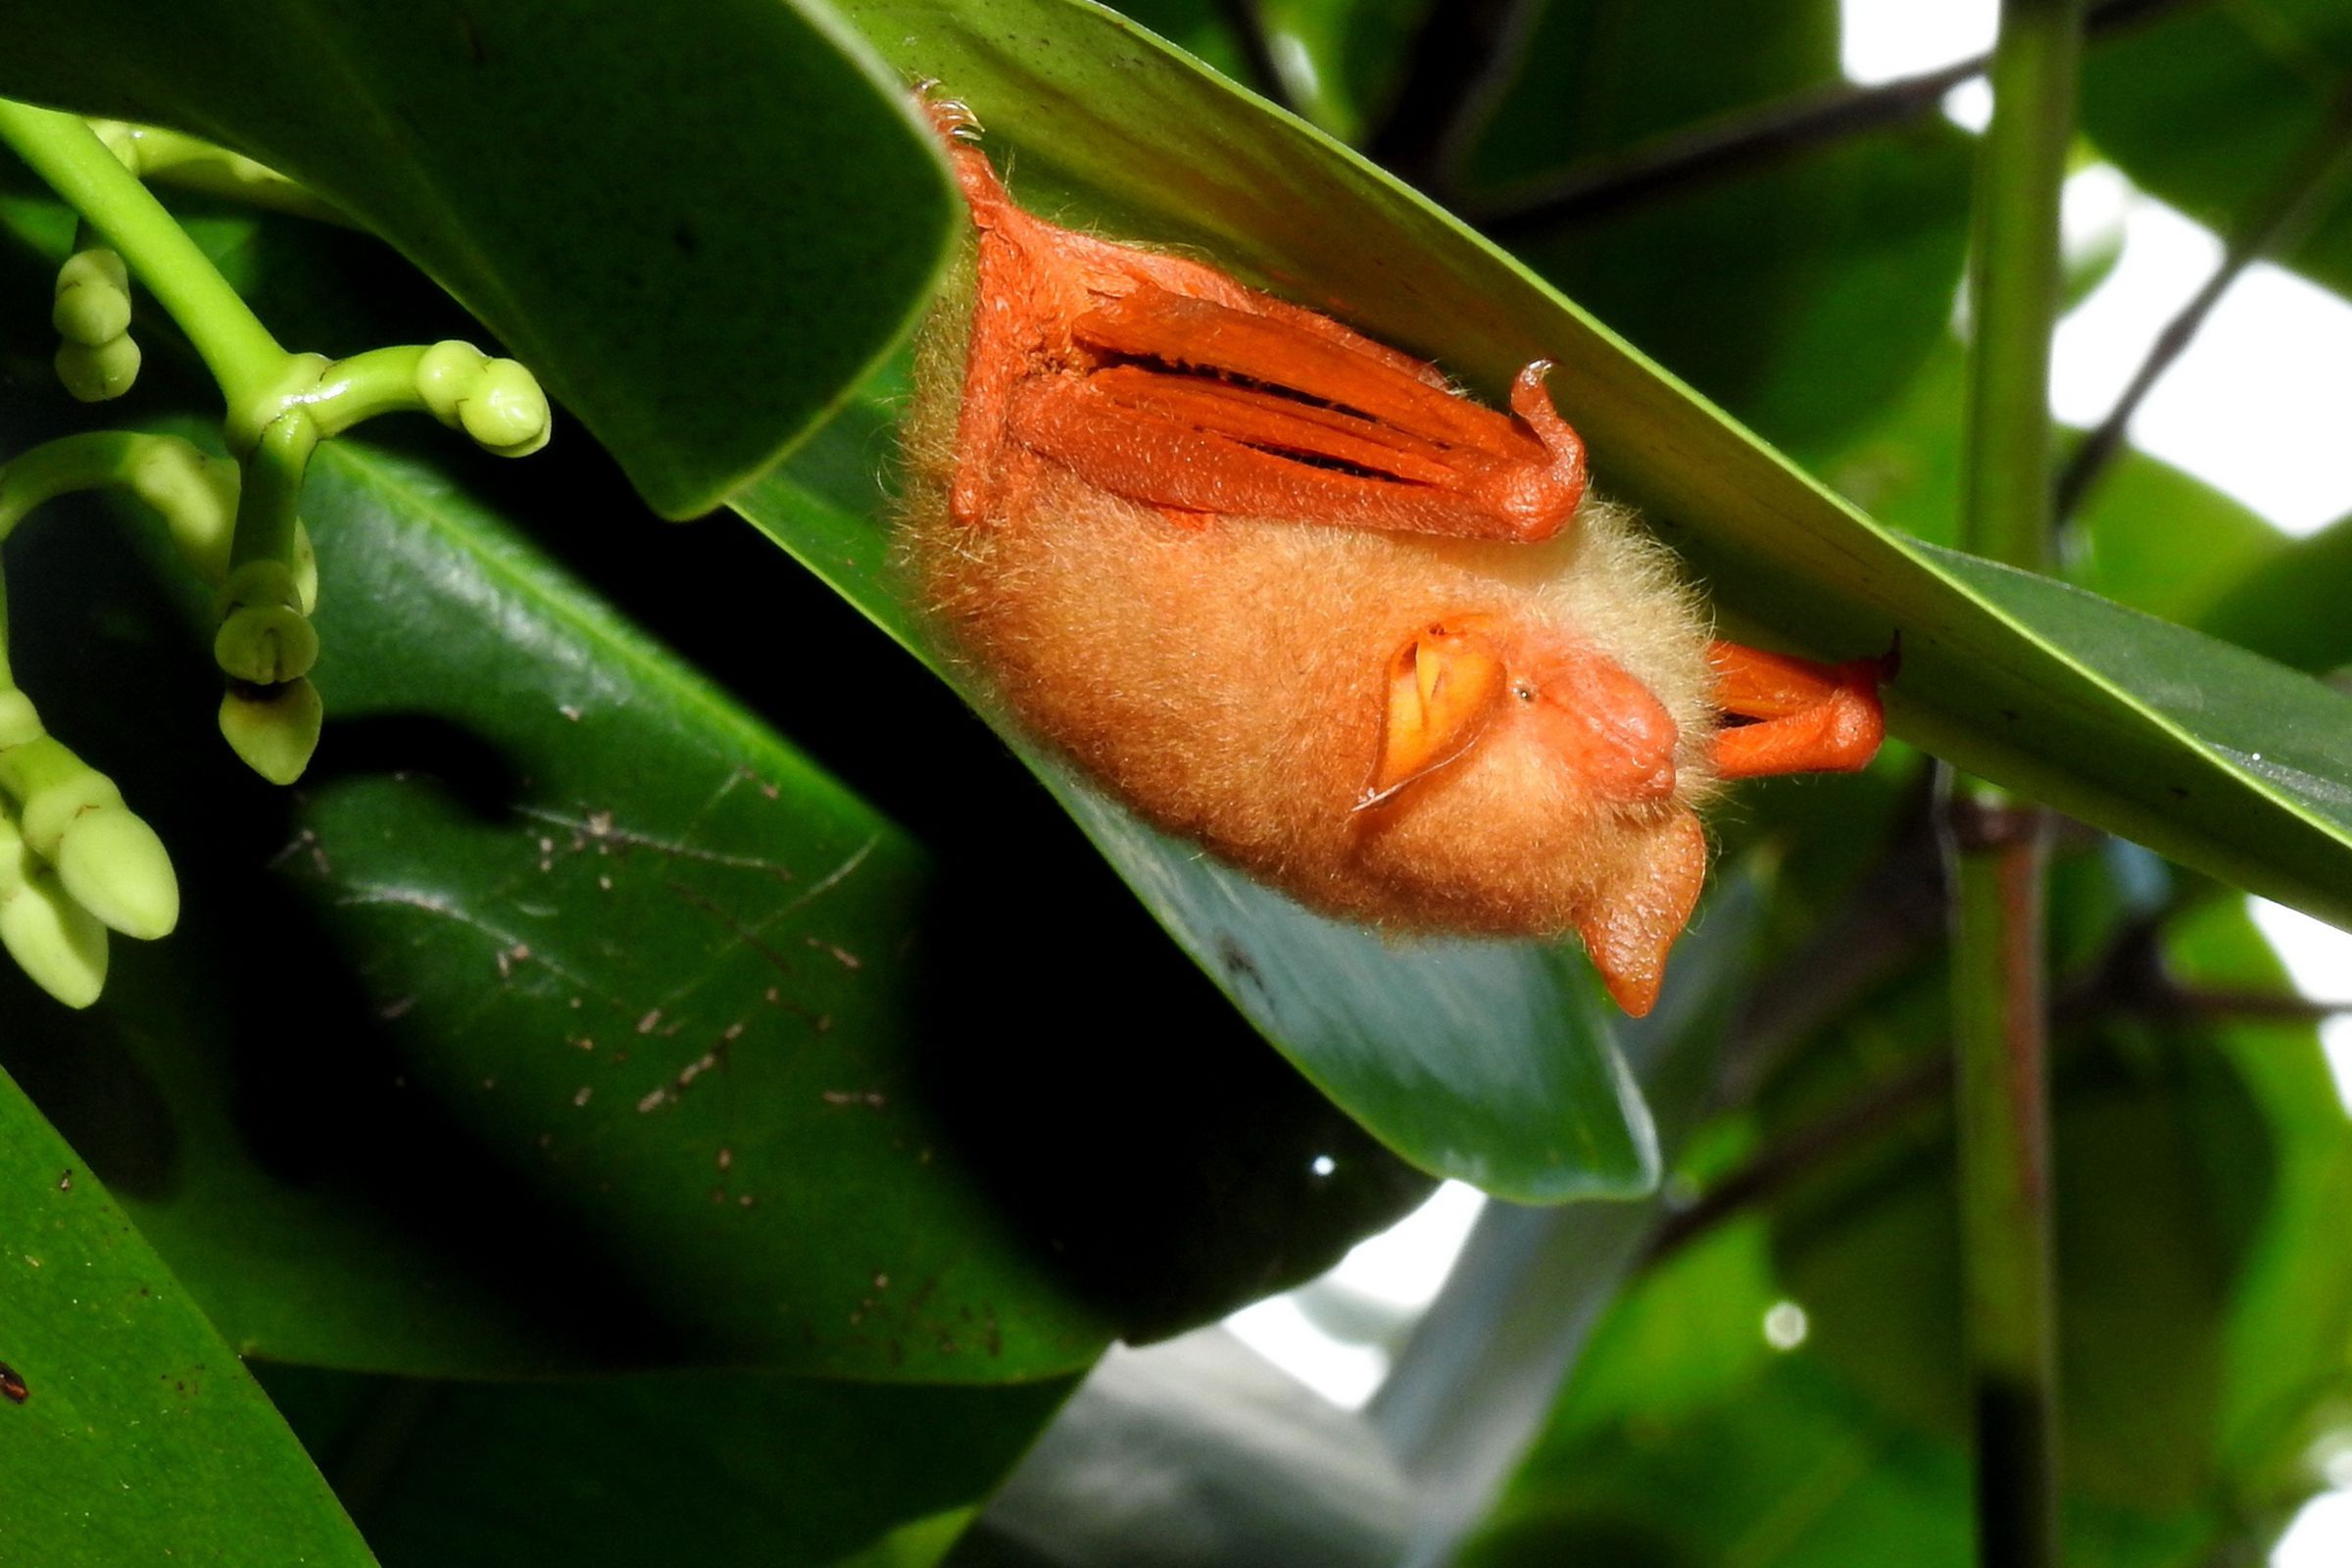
12, 1384
1283, 592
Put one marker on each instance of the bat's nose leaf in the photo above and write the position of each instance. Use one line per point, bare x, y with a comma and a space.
1609, 729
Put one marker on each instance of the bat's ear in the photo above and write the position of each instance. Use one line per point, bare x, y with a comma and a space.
1634, 921
1446, 686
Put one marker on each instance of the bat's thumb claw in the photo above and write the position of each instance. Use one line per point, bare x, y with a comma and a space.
952, 117
1891, 662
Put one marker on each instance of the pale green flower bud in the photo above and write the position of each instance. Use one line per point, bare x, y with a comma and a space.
93, 298
73, 816
273, 728
497, 402
58, 944
96, 373
266, 644
116, 868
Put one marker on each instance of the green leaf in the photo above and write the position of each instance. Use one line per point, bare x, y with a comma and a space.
352, 1202
2211, 729
683, 1468
2204, 1325
557, 938
139, 1437
2216, 108
585, 938
698, 229
2290, 606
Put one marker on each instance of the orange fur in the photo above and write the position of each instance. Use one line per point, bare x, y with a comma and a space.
1226, 674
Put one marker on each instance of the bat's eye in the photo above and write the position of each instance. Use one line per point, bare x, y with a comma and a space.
1524, 692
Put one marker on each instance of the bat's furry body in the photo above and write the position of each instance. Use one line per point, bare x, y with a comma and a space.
1229, 674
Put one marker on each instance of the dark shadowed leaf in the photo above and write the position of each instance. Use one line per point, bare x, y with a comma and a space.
529, 827
566, 946
680, 1468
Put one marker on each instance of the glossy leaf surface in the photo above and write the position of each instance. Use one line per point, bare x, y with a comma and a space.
604, 964
696, 231
601, 960
128, 1430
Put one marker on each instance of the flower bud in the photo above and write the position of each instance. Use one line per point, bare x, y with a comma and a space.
97, 373
59, 945
273, 728
114, 865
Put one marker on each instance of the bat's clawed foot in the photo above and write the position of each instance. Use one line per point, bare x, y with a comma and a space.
1796, 715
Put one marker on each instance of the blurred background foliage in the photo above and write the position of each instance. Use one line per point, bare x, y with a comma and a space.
669, 1086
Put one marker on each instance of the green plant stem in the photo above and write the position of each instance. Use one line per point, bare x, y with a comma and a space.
377, 381
272, 486
89, 461
2015, 283
2000, 1023
1995, 846
238, 349
176, 157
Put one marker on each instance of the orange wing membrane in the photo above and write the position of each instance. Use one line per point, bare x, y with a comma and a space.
1282, 591
1169, 383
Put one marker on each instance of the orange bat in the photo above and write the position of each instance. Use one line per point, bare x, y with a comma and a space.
1285, 594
